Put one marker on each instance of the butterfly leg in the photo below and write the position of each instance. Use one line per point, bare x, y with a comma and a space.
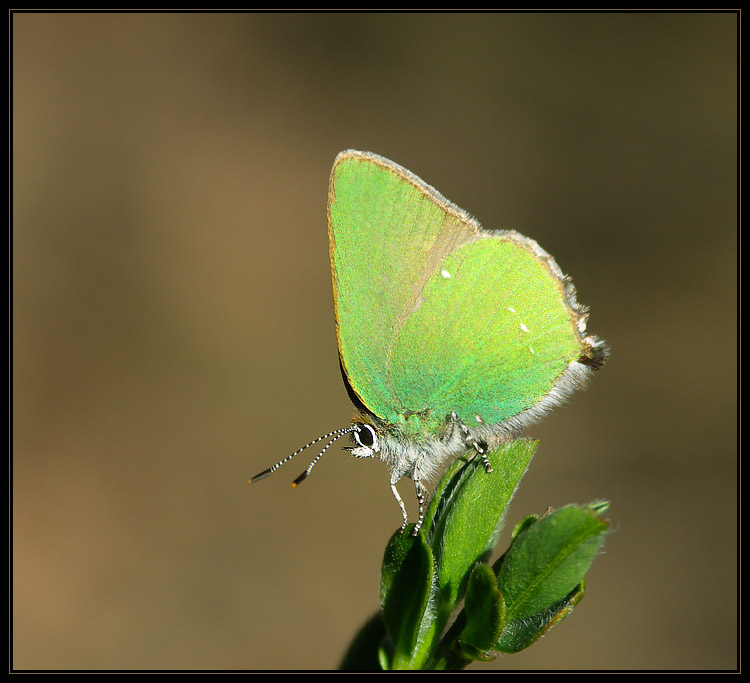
421, 497
400, 504
479, 446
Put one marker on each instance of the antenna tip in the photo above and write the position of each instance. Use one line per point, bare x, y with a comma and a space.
299, 479
260, 476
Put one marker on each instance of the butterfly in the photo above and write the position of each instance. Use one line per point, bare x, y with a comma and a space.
451, 338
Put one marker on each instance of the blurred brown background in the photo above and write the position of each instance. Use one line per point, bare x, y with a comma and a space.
173, 329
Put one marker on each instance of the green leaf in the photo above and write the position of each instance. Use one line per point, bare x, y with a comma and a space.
465, 522
541, 575
385, 655
524, 524
406, 585
520, 634
485, 609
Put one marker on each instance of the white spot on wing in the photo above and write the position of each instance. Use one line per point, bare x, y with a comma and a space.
524, 328
445, 274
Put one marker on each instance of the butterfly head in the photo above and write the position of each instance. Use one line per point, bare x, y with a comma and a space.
367, 442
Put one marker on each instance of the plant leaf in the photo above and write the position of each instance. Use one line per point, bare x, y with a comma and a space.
541, 575
520, 634
465, 523
484, 608
406, 585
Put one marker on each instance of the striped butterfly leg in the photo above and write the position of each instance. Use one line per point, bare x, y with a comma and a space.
400, 502
479, 446
422, 494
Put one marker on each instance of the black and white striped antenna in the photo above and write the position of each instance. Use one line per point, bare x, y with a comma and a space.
336, 434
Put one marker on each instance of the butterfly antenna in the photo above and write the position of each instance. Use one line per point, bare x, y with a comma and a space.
340, 433
336, 433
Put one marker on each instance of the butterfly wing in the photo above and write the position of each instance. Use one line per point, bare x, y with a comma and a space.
435, 314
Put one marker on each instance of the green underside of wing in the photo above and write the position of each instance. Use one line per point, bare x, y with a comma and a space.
490, 340
432, 315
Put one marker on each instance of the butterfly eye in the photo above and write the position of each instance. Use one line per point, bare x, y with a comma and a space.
365, 436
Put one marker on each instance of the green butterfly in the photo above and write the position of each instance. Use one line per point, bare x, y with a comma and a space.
451, 338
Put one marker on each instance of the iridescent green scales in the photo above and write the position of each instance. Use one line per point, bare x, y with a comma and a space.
436, 315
